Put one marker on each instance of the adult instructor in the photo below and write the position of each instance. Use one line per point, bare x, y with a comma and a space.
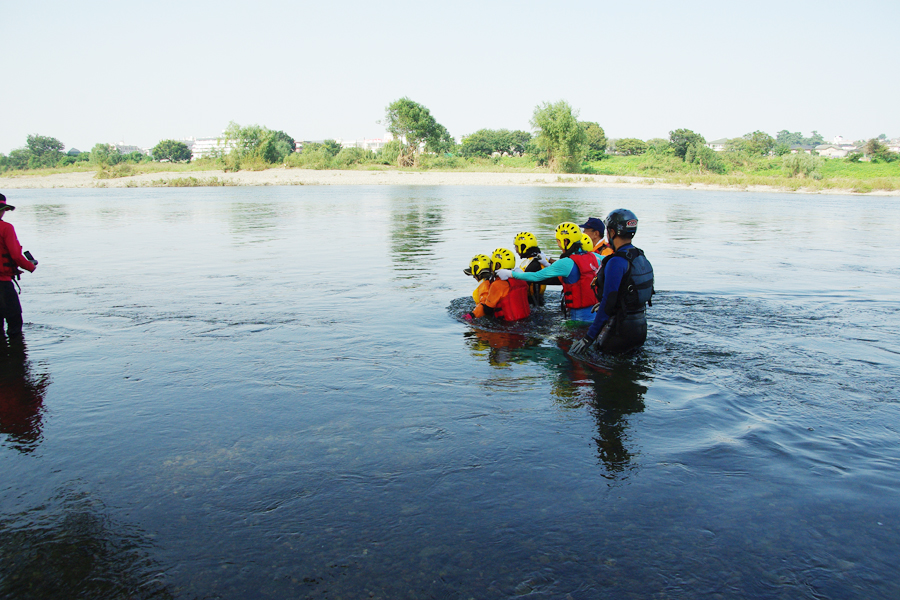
11, 259
624, 287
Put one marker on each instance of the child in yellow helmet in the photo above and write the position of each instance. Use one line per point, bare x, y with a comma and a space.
531, 259
575, 270
506, 300
480, 269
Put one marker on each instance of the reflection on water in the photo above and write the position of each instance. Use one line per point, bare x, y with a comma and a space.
21, 396
611, 389
71, 548
415, 229
319, 432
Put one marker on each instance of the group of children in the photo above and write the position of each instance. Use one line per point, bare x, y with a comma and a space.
507, 290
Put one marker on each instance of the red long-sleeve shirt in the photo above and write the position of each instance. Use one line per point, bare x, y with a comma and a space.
11, 253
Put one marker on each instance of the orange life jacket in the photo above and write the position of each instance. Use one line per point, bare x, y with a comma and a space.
580, 294
481, 292
514, 305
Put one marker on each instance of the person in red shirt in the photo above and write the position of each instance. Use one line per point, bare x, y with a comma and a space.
11, 260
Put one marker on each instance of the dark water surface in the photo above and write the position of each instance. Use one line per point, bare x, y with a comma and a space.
263, 393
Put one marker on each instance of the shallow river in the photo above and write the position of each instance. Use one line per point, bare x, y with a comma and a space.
245, 393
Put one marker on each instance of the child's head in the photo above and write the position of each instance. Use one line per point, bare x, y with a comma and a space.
567, 235
479, 267
526, 244
502, 258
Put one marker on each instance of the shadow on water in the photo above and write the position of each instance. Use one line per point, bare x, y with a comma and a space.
70, 548
612, 388
22, 392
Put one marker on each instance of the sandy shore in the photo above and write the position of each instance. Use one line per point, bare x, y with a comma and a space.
282, 176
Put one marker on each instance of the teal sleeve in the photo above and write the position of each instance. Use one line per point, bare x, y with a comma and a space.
560, 268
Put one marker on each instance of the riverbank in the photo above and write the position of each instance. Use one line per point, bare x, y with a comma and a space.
284, 176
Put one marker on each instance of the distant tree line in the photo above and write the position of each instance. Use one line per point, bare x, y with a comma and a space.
558, 140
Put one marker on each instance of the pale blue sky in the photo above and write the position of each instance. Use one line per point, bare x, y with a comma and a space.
102, 71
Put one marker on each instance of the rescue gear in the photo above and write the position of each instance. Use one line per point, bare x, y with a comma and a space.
502, 258
636, 290
526, 244
568, 234
479, 267
580, 294
514, 305
587, 244
622, 221
481, 291
579, 346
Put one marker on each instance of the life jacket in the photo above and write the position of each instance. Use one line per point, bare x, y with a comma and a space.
603, 249
636, 290
580, 294
535, 290
514, 305
481, 291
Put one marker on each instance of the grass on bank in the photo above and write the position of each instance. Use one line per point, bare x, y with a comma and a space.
836, 174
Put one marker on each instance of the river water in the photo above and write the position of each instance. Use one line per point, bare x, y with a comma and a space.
264, 393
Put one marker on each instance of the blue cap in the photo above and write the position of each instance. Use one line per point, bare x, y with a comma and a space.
595, 224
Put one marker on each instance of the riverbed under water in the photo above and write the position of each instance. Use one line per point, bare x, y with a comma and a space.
244, 393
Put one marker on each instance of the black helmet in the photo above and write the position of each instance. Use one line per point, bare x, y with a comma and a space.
622, 221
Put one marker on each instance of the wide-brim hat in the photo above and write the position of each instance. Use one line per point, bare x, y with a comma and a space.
4, 205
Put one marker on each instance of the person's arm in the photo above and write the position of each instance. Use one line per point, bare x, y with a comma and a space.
615, 269
561, 268
15, 249
499, 289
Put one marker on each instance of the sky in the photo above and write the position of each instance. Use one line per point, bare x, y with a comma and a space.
94, 71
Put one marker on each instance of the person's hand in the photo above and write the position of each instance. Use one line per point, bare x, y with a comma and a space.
503, 274
544, 259
595, 308
468, 316
579, 346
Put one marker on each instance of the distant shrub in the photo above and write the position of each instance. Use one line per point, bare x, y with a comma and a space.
352, 156
802, 164
311, 158
389, 154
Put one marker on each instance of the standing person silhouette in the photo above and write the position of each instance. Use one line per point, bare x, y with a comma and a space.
11, 260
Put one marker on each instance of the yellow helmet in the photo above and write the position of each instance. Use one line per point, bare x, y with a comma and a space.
587, 244
568, 234
502, 259
479, 266
523, 241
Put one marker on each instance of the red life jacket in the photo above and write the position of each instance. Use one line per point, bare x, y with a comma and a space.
580, 294
514, 305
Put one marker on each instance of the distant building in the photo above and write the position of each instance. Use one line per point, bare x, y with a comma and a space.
207, 147
832, 151
717, 145
372, 144
124, 148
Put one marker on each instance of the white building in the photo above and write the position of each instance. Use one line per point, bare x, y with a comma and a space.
208, 146
372, 144
832, 151
717, 145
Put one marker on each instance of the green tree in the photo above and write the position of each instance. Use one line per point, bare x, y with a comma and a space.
276, 146
879, 152
559, 137
105, 155
332, 147
704, 157
596, 140
682, 139
171, 150
659, 146
485, 142
20, 158
802, 164
758, 143
414, 126
45, 151
631, 146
